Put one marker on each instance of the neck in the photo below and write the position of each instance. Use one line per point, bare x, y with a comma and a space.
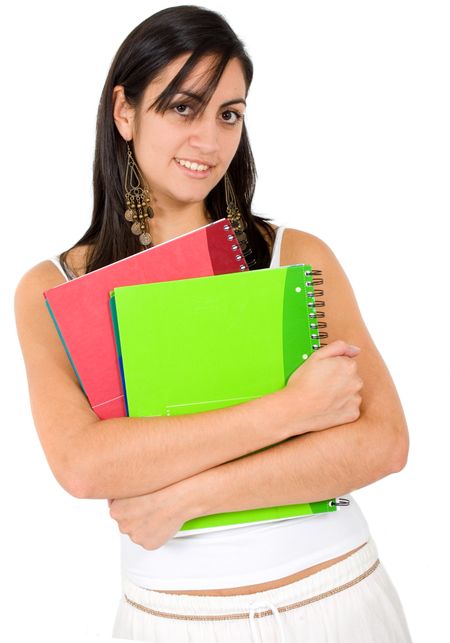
170, 222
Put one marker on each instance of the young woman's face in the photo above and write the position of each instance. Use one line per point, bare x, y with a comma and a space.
165, 143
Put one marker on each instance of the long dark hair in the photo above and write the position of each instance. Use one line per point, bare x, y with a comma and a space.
151, 46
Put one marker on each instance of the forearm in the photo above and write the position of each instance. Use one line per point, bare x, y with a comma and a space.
306, 468
125, 457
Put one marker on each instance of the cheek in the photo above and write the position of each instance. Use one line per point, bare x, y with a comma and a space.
230, 142
156, 146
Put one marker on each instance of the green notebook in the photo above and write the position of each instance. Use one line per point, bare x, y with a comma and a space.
200, 344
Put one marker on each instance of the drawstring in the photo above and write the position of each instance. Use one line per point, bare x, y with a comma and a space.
256, 606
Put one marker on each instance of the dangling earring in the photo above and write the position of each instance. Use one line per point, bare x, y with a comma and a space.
137, 197
236, 220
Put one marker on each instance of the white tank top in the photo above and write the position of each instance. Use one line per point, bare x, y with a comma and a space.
244, 555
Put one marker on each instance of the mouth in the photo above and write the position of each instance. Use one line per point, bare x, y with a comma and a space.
194, 168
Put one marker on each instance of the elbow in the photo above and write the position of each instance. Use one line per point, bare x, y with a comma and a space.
72, 481
401, 459
72, 473
77, 487
387, 451
399, 449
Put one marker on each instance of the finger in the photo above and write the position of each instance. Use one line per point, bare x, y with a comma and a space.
338, 347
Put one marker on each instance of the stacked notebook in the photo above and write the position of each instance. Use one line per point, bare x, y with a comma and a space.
184, 327
206, 343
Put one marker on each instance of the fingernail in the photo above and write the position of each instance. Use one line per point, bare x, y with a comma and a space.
354, 348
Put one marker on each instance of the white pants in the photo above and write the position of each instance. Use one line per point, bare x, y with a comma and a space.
353, 601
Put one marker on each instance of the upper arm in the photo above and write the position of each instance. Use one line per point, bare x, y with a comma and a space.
380, 401
59, 407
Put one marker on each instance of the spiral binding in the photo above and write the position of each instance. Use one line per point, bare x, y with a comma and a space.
235, 246
339, 502
316, 314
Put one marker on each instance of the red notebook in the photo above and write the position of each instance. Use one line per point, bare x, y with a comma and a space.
81, 313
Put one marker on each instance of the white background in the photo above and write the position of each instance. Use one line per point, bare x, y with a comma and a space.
348, 117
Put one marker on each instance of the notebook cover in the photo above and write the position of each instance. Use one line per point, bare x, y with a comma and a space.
80, 308
201, 344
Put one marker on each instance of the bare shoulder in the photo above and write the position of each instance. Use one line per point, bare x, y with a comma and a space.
29, 294
298, 245
36, 331
43, 275
46, 275
341, 308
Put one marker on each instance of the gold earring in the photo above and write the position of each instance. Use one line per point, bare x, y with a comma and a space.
137, 197
237, 222
233, 214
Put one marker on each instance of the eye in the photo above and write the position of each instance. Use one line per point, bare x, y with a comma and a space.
182, 109
231, 117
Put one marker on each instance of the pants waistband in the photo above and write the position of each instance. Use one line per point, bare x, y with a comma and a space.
255, 605
331, 580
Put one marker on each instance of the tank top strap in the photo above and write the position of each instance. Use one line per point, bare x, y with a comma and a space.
276, 251
62, 267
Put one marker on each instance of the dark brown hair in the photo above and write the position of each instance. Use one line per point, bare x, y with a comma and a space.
150, 47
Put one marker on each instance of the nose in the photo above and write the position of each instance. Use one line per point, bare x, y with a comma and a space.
205, 136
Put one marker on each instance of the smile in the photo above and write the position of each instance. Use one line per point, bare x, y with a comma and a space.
198, 167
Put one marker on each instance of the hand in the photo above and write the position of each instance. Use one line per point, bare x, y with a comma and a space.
324, 390
151, 520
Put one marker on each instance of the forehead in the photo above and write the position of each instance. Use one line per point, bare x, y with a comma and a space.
232, 80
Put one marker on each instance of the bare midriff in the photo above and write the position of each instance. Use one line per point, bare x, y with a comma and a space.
262, 587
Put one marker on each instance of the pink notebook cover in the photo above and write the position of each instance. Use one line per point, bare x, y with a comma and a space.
81, 313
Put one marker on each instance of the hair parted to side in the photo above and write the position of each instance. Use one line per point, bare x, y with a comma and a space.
150, 47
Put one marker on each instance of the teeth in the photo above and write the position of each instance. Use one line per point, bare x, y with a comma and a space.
192, 166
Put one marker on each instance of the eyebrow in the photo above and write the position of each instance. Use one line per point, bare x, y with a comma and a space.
200, 99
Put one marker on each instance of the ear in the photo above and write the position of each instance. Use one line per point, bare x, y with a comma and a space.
123, 113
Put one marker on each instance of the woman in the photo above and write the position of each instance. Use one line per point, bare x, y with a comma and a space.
172, 109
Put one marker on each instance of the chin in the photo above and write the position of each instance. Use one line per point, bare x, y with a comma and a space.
191, 198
